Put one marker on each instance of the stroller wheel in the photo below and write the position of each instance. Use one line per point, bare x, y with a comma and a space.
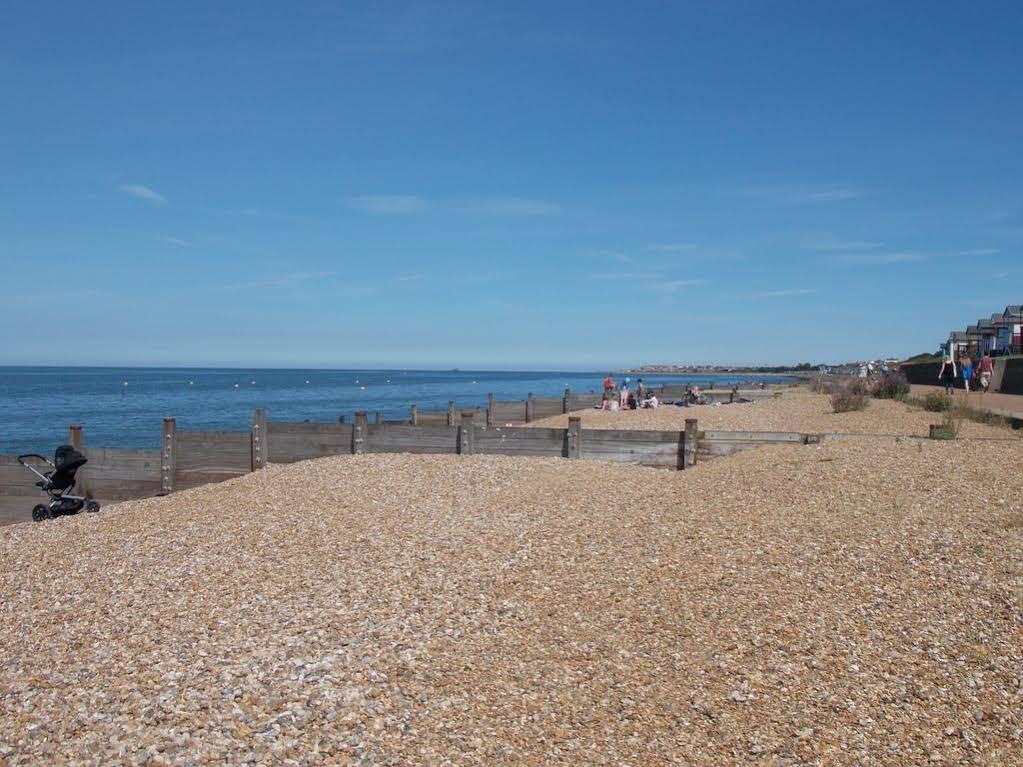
40, 513
91, 506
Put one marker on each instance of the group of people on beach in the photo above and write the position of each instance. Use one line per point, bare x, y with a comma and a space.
972, 377
623, 398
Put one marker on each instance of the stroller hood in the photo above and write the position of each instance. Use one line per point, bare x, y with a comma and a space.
68, 461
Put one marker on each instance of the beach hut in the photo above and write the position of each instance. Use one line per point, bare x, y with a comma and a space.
988, 335
1012, 320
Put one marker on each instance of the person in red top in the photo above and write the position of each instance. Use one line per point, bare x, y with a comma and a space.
609, 383
986, 367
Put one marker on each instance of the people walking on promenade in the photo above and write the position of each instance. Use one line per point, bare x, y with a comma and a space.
986, 368
967, 368
947, 374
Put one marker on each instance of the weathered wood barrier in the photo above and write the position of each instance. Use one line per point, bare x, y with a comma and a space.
189, 458
535, 408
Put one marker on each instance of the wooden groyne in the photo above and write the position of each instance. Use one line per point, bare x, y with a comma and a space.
188, 459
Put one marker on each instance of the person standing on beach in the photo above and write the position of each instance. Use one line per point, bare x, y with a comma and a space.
609, 383
623, 395
986, 368
967, 368
947, 374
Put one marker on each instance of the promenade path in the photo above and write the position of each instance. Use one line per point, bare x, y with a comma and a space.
1007, 405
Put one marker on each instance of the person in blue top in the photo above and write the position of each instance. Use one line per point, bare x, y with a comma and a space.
967, 368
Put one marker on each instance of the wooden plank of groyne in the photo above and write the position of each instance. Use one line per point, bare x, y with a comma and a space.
431, 419
201, 457
509, 412
584, 401
16, 479
118, 475
545, 407
399, 438
291, 442
520, 440
650, 448
753, 436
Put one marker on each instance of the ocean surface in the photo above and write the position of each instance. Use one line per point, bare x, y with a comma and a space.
125, 407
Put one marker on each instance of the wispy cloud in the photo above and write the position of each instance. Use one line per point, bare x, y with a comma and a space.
519, 206
407, 203
623, 276
387, 203
278, 281
980, 252
672, 247
793, 195
143, 193
176, 241
830, 243
786, 293
673, 285
408, 278
879, 259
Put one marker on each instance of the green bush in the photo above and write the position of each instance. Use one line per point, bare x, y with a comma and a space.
936, 402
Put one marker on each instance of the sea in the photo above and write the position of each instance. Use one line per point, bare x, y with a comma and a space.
125, 407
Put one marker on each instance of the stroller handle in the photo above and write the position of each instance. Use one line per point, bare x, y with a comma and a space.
33, 455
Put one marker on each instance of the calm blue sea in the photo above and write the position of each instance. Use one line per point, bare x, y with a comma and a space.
125, 407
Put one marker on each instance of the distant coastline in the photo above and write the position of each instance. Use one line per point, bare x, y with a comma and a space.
687, 370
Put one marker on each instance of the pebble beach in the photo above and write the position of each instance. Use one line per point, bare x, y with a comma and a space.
837, 604
792, 410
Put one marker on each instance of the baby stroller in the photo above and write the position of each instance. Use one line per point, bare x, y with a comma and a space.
58, 483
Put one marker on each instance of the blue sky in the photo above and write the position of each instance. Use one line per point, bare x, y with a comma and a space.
544, 185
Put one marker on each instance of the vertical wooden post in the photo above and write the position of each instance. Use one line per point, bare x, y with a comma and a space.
466, 434
359, 433
340, 419
167, 457
74, 438
574, 437
490, 409
377, 417
529, 407
565, 400
689, 444
413, 416
260, 441
451, 414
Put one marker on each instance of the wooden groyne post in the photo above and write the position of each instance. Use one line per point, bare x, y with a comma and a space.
574, 437
689, 444
260, 442
413, 416
529, 407
490, 409
359, 433
167, 456
565, 400
466, 433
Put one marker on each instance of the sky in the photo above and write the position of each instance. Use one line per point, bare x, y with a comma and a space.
571, 185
